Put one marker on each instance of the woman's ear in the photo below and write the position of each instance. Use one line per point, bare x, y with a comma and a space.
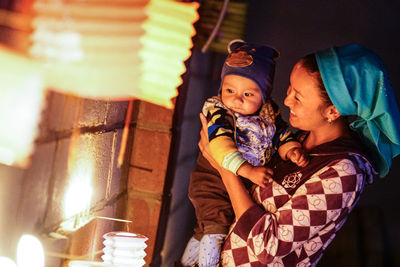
332, 113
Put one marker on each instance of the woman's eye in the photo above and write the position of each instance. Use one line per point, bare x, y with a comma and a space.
229, 90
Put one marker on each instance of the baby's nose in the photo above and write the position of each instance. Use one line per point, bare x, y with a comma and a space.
239, 99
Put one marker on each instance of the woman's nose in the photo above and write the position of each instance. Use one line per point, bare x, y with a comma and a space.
287, 101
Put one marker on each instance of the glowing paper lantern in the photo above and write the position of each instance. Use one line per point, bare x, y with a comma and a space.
124, 249
22, 97
88, 264
114, 49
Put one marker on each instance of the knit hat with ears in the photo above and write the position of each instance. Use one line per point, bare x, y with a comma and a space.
252, 61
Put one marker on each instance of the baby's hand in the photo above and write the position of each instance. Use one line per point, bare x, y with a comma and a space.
298, 156
258, 175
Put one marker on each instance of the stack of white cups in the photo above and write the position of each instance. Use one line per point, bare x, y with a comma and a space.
124, 249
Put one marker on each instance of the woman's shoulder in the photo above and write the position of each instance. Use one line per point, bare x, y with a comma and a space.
350, 148
344, 145
352, 164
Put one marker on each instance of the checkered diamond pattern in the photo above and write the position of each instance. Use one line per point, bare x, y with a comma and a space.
295, 229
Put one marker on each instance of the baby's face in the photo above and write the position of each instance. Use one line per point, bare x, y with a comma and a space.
241, 94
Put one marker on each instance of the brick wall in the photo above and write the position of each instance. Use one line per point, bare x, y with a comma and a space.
147, 169
76, 131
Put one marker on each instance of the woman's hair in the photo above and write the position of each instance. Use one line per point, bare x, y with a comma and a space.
310, 64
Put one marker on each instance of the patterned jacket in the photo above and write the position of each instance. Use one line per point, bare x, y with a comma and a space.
235, 138
297, 216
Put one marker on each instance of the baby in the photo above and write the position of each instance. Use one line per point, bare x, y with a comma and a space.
244, 130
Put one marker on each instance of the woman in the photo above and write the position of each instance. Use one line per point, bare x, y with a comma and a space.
294, 218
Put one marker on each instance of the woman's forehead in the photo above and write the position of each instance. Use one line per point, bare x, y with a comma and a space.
303, 82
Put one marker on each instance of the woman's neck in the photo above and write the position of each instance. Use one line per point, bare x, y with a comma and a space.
326, 134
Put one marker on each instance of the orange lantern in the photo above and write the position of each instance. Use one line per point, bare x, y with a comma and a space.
111, 50
114, 50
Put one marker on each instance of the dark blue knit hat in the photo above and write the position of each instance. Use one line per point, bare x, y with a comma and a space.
252, 61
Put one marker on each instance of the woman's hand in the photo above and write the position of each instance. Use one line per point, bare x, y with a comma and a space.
204, 144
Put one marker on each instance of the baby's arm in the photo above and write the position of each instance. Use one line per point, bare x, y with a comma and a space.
285, 142
293, 151
257, 174
220, 127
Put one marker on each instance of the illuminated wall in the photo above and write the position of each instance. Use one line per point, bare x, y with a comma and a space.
75, 179
91, 57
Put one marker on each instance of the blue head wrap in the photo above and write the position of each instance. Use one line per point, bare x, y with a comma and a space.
358, 84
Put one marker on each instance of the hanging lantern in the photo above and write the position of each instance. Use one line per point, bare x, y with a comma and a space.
121, 249
114, 50
21, 101
111, 50
124, 249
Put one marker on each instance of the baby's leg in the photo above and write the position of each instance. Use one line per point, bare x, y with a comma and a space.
210, 249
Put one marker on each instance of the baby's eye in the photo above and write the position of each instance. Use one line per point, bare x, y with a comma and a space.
229, 90
248, 94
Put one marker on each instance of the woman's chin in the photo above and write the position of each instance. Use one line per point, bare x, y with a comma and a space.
296, 125
292, 121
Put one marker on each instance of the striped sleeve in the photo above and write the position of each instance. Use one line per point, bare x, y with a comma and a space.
233, 161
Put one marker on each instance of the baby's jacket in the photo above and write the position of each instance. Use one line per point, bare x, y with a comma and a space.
236, 138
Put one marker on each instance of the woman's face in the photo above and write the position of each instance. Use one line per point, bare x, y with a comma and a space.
304, 100
241, 95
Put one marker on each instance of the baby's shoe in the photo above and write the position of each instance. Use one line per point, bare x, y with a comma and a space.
191, 254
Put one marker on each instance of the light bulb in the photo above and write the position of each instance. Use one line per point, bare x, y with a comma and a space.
7, 262
30, 252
